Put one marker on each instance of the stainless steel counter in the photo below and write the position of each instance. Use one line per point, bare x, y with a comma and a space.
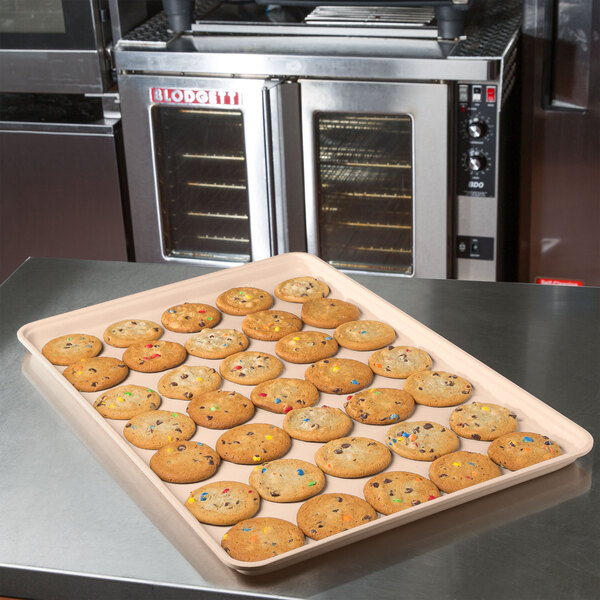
68, 530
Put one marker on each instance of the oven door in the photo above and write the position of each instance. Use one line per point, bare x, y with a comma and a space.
54, 46
196, 160
376, 176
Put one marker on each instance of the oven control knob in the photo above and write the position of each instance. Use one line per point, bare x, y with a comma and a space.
476, 162
476, 129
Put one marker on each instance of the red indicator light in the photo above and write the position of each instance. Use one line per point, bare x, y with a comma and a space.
491, 94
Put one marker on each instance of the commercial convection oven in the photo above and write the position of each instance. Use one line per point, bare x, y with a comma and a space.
358, 134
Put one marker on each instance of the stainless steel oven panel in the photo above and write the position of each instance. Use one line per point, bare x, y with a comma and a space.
136, 105
286, 161
427, 105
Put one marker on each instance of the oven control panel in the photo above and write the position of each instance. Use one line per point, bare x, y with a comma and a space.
477, 115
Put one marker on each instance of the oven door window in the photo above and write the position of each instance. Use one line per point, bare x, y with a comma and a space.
47, 25
365, 191
203, 183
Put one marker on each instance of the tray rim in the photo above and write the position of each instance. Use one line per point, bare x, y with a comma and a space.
383, 522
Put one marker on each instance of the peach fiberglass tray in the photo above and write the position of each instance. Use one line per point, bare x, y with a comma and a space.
166, 502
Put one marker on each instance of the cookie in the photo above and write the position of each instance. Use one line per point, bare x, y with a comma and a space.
270, 325
421, 440
380, 406
97, 373
185, 462
250, 368
126, 401
301, 289
306, 347
393, 491
287, 480
223, 502
284, 394
482, 421
364, 335
329, 514
132, 331
220, 409
437, 388
261, 538
317, 424
190, 317
154, 356
253, 443
328, 313
339, 375
244, 300
399, 362
186, 382
521, 449
462, 469
352, 457
216, 343
67, 349
156, 428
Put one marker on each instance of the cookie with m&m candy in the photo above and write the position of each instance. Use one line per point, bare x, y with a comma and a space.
399, 362
220, 409
270, 325
459, 470
185, 462
351, 457
132, 331
242, 301
68, 349
284, 394
187, 381
261, 538
421, 440
380, 406
190, 317
393, 491
253, 444
223, 502
154, 356
328, 514
287, 480
250, 368
339, 375
482, 421
317, 423
522, 449
96, 373
156, 428
306, 347
364, 335
438, 388
328, 313
126, 401
216, 343
301, 289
